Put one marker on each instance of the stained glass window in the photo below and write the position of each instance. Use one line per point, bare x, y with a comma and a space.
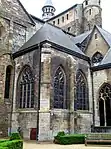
26, 88
97, 57
82, 101
60, 89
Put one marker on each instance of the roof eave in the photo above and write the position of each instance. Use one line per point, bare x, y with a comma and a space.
101, 67
53, 45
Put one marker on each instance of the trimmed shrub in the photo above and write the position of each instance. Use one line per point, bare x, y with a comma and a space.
14, 144
61, 133
70, 139
56, 138
3, 148
15, 136
1, 141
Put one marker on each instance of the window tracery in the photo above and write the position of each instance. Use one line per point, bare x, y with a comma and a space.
59, 89
82, 101
26, 88
97, 57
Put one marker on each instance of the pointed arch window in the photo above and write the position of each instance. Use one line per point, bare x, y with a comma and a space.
7, 81
60, 89
26, 89
105, 105
82, 100
97, 58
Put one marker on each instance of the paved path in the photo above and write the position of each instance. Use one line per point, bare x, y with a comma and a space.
34, 145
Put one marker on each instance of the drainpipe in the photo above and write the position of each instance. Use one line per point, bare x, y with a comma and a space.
93, 98
12, 98
39, 86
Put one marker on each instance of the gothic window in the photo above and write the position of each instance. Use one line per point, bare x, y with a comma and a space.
62, 19
69, 28
67, 17
58, 21
59, 89
105, 105
53, 22
96, 36
89, 11
2, 30
86, 2
7, 82
97, 58
82, 101
89, 27
105, 91
26, 89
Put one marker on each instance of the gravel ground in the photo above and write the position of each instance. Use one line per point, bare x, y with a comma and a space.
34, 145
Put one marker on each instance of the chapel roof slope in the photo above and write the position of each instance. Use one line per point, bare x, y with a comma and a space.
107, 58
106, 35
80, 38
106, 62
54, 35
36, 19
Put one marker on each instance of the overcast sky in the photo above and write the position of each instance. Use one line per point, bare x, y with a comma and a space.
34, 7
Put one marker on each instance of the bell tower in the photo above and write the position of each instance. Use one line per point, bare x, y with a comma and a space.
48, 10
92, 14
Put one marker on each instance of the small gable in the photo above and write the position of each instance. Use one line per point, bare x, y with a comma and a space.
97, 43
14, 9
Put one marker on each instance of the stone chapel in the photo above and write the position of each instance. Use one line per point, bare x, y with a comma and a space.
55, 73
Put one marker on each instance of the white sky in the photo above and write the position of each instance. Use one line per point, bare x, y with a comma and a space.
34, 8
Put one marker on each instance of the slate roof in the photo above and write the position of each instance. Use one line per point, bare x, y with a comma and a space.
36, 19
107, 58
106, 35
54, 35
106, 62
80, 38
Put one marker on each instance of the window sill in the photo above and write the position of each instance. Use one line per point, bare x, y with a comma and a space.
30, 110
84, 111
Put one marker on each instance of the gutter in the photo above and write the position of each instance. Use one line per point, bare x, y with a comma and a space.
39, 89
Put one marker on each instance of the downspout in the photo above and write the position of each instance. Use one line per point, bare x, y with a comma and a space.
93, 98
39, 86
12, 98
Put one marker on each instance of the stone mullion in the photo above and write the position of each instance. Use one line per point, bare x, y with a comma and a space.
30, 95
26, 96
22, 96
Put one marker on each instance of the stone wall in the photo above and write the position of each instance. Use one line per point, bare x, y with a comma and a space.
92, 15
26, 118
62, 119
51, 120
99, 78
72, 24
96, 45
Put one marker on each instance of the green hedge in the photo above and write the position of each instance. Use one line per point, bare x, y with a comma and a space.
15, 136
70, 139
1, 141
3, 147
14, 144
